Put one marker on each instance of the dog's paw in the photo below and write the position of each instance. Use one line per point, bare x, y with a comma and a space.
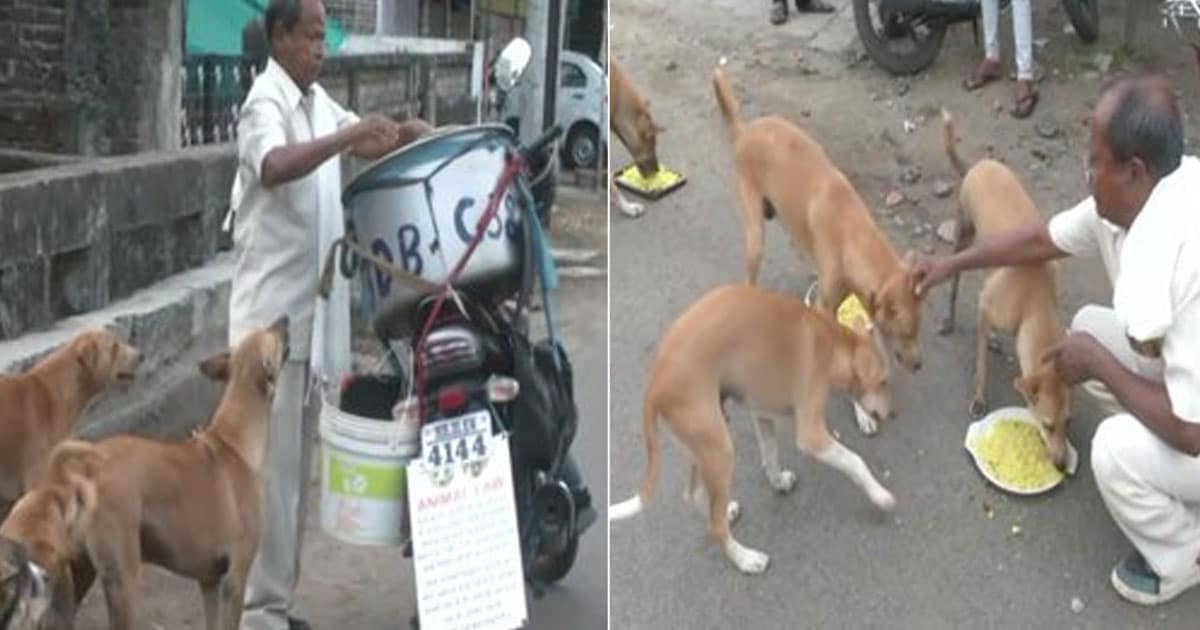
784, 481
866, 423
732, 512
946, 327
633, 210
747, 560
978, 407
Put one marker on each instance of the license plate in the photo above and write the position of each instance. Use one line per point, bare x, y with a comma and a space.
458, 441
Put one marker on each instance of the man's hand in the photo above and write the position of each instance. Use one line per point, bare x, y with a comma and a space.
375, 135
1076, 357
928, 273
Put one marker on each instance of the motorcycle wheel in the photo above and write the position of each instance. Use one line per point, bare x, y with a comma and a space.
552, 568
923, 39
1085, 17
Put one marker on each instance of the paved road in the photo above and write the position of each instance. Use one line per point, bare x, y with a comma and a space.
939, 561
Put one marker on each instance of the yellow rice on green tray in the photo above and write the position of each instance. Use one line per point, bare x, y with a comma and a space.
1015, 453
662, 178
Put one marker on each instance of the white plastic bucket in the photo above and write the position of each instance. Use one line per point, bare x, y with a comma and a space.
418, 208
363, 481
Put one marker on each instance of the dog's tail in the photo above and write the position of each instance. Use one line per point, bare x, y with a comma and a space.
76, 463
727, 102
631, 507
949, 141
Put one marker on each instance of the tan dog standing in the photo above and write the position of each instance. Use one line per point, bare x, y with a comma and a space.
777, 356
49, 521
780, 170
193, 507
1020, 300
41, 407
630, 120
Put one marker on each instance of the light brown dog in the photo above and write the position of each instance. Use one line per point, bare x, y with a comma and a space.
781, 170
630, 120
49, 521
191, 507
1020, 300
777, 356
41, 407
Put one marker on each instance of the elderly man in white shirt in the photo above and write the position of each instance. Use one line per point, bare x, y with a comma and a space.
286, 209
1141, 355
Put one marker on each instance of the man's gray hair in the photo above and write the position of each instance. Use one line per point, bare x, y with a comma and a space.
1145, 122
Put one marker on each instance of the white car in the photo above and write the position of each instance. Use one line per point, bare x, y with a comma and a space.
582, 109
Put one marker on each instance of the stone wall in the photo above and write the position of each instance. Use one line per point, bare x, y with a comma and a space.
79, 236
90, 77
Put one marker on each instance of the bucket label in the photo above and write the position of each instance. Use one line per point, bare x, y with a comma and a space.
466, 554
366, 481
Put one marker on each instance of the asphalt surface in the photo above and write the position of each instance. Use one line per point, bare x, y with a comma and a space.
948, 556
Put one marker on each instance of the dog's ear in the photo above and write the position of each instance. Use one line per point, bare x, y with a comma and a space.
1029, 387
216, 367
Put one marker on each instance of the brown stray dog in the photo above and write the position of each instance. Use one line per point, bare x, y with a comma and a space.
777, 356
1020, 300
781, 170
40, 408
630, 120
49, 522
192, 507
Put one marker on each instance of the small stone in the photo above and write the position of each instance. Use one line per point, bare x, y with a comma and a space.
1102, 62
1091, 75
910, 176
1046, 128
1076, 605
1016, 530
800, 57
947, 231
903, 88
988, 511
887, 473
875, 96
909, 127
886, 136
1068, 29
927, 248
671, 66
1039, 154
997, 106
942, 188
1041, 42
806, 113
893, 199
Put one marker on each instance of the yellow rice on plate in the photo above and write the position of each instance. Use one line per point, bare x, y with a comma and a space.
1015, 453
663, 178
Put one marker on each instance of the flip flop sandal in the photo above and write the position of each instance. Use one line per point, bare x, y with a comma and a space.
814, 6
778, 13
1025, 106
976, 81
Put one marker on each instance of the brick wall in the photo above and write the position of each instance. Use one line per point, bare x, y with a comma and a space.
356, 16
79, 236
75, 73
32, 77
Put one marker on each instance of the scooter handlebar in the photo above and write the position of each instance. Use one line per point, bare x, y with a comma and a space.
536, 147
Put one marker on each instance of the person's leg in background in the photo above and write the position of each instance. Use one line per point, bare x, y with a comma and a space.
1152, 492
1027, 96
276, 569
989, 69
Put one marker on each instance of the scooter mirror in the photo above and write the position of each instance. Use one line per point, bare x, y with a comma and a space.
512, 62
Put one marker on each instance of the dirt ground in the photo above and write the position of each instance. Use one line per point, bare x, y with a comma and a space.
948, 557
352, 588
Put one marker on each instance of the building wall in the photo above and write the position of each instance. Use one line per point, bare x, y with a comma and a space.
356, 16
90, 77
